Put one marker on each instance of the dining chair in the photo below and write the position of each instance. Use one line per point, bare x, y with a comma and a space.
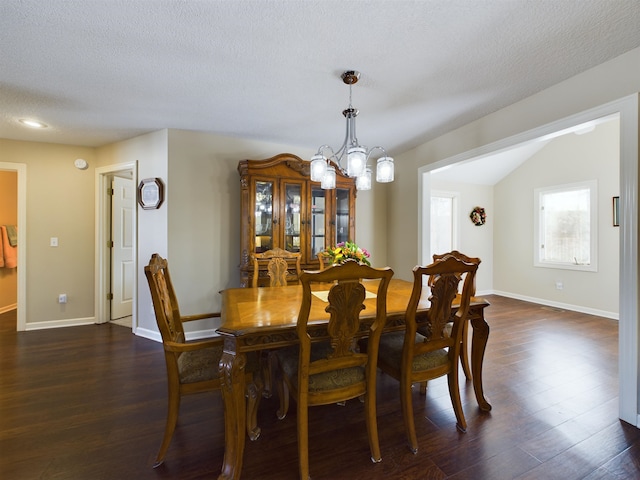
412, 357
464, 352
323, 258
192, 366
334, 370
279, 264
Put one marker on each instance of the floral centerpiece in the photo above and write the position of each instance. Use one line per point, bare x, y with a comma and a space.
345, 251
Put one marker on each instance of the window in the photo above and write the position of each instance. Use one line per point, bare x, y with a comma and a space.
443, 222
566, 226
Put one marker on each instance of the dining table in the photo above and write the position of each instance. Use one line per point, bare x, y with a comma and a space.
258, 319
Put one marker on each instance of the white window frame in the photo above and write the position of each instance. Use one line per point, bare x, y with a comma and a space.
592, 186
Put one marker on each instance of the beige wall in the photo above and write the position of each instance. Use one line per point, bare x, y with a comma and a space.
61, 198
59, 204
567, 159
505, 243
197, 227
8, 216
594, 89
204, 214
605, 83
150, 153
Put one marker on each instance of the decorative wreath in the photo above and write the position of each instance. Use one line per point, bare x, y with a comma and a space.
478, 216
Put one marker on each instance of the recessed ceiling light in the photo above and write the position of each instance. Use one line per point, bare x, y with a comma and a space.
32, 123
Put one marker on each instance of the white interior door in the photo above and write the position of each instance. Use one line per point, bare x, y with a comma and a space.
122, 203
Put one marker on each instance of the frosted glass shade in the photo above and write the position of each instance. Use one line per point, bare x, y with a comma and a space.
318, 167
384, 170
363, 182
329, 178
356, 161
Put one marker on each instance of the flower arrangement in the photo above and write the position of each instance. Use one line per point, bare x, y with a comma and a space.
478, 216
345, 251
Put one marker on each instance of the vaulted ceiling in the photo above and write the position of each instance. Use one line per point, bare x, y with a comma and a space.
100, 71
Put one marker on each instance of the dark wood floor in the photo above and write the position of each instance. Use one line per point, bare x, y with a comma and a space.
90, 402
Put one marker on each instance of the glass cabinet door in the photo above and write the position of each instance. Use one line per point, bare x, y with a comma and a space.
292, 206
282, 208
342, 215
317, 223
264, 216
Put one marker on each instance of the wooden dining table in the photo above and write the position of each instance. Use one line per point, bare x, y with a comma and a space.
256, 319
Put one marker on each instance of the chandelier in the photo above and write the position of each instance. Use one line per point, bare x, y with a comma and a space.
356, 156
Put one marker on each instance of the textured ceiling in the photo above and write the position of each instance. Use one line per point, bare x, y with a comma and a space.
102, 71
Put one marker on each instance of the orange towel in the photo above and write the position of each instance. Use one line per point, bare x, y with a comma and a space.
10, 253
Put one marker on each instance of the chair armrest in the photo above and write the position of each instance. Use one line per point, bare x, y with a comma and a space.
200, 316
191, 346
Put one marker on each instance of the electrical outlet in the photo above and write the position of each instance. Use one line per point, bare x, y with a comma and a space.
53, 242
62, 298
559, 286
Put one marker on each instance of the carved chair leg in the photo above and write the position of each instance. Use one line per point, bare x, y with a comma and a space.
372, 426
303, 440
172, 420
423, 388
266, 366
283, 394
407, 413
464, 351
454, 392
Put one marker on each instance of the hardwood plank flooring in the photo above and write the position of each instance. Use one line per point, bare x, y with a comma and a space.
90, 403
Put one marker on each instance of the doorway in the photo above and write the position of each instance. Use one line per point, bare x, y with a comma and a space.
627, 108
115, 293
21, 170
122, 271
444, 222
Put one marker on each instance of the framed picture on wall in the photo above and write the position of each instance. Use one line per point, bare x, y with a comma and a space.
150, 193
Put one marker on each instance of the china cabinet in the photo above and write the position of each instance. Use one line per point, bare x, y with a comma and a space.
282, 208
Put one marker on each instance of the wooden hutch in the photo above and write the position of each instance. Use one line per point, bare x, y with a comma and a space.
282, 207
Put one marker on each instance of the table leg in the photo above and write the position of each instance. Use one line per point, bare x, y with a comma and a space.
478, 346
232, 366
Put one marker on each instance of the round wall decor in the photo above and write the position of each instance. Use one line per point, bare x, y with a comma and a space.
478, 216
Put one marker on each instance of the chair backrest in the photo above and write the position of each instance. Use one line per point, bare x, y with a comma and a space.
165, 304
345, 303
323, 258
446, 304
278, 262
460, 256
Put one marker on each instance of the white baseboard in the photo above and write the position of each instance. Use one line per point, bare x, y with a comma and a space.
549, 303
155, 335
73, 322
8, 308
150, 334
198, 334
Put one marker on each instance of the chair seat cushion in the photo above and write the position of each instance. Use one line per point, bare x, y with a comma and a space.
199, 365
334, 379
390, 352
